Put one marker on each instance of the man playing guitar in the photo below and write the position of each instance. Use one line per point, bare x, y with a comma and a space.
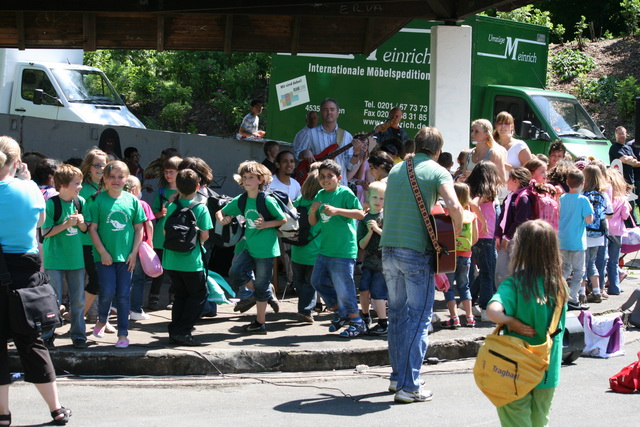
328, 133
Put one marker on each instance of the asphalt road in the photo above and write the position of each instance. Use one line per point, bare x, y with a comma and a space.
322, 398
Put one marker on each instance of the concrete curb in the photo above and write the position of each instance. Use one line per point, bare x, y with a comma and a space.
187, 361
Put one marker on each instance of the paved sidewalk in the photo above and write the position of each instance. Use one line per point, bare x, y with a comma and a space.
289, 345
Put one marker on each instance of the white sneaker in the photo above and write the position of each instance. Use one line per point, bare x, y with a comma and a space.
138, 316
413, 396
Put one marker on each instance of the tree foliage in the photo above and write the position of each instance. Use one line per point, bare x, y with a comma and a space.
172, 90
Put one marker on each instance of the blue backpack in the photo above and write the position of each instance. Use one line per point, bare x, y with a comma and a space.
598, 227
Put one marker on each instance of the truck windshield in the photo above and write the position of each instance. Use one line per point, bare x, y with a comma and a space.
86, 86
567, 117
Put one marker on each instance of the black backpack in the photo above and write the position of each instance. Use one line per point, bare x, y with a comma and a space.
223, 236
180, 232
57, 213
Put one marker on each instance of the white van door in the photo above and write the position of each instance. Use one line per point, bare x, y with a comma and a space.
28, 79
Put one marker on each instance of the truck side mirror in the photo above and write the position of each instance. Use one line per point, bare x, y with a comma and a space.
37, 96
124, 98
602, 128
525, 129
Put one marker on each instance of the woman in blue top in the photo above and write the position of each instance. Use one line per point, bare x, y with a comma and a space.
23, 208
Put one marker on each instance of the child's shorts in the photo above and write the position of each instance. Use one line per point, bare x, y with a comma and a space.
373, 281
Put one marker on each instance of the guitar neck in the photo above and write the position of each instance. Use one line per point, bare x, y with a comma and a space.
346, 147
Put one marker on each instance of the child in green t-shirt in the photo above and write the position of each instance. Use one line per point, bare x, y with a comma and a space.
304, 257
261, 240
373, 288
116, 219
166, 189
524, 304
62, 248
336, 209
186, 269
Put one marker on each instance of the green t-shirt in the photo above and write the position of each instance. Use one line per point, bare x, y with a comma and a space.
63, 251
306, 255
87, 190
115, 219
338, 236
259, 243
372, 253
403, 224
187, 261
539, 317
158, 203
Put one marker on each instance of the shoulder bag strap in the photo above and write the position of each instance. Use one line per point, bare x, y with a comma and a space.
555, 320
421, 205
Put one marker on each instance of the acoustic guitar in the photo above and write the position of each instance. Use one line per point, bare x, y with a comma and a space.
333, 151
446, 237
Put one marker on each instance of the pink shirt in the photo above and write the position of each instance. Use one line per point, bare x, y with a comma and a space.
488, 209
621, 211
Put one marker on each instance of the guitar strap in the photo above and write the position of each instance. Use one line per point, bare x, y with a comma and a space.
339, 137
421, 205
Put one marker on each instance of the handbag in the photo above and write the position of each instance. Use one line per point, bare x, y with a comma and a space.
507, 368
602, 337
32, 310
149, 260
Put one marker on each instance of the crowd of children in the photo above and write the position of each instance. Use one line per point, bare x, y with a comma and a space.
97, 218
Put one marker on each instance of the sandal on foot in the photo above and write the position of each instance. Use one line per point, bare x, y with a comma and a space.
4, 418
62, 411
452, 323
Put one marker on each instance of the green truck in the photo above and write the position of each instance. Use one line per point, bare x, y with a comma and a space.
508, 73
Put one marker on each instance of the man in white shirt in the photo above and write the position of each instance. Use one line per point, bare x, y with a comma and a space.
319, 138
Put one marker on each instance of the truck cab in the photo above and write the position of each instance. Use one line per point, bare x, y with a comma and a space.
542, 117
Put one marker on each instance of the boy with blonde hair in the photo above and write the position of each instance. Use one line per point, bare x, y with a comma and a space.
373, 288
261, 240
62, 248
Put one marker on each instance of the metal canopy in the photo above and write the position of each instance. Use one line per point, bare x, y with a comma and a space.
329, 26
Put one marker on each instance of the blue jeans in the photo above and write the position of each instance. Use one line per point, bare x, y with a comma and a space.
601, 262
461, 277
373, 281
333, 279
242, 271
590, 261
612, 265
485, 254
115, 285
75, 284
411, 285
137, 287
302, 283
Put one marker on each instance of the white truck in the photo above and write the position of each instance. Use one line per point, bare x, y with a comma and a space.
53, 84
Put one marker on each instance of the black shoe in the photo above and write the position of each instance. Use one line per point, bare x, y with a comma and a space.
318, 308
79, 343
275, 304
49, 344
255, 328
154, 304
245, 304
576, 306
187, 340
